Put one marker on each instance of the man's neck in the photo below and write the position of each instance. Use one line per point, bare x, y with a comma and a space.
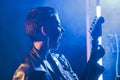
41, 48
38, 45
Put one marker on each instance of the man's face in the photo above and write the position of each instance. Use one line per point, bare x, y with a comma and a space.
55, 32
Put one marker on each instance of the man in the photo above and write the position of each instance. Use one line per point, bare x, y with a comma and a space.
43, 27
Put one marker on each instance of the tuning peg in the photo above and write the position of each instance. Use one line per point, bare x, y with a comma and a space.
102, 19
93, 22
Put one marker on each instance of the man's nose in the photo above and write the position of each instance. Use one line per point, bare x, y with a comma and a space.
61, 29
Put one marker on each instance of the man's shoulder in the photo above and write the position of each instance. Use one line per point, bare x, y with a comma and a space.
20, 72
23, 67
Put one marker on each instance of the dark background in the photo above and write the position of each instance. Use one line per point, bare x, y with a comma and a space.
14, 44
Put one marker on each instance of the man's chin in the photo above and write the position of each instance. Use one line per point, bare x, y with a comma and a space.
54, 48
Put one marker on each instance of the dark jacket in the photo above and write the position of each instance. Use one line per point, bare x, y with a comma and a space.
55, 67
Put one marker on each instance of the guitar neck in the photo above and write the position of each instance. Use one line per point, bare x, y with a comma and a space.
98, 8
98, 14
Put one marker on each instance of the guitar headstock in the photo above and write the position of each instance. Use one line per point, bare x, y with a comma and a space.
96, 28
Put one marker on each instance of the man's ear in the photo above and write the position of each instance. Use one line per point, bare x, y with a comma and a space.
43, 30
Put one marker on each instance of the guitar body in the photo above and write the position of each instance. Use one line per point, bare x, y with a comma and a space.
94, 71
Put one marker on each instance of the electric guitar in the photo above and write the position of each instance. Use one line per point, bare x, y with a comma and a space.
94, 70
